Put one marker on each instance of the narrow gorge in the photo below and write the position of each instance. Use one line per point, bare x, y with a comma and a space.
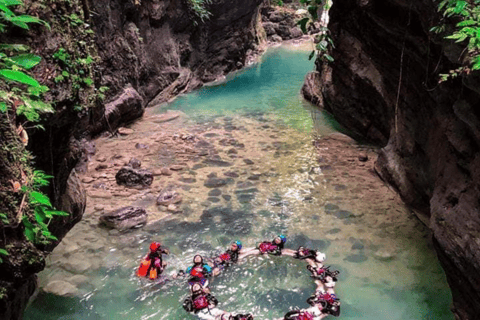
384, 86
204, 105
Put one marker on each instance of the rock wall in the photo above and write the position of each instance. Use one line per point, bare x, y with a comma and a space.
152, 44
144, 51
383, 86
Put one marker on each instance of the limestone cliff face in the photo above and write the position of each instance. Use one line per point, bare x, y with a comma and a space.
149, 51
383, 86
159, 43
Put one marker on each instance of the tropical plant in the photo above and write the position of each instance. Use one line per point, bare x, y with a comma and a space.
22, 93
324, 41
36, 227
466, 31
18, 90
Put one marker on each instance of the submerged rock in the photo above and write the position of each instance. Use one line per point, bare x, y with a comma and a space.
168, 197
215, 182
61, 288
131, 177
125, 218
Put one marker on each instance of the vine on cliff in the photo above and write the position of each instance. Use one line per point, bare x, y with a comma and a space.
466, 32
21, 99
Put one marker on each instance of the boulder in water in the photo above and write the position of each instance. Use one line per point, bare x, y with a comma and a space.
131, 177
168, 197
125, 218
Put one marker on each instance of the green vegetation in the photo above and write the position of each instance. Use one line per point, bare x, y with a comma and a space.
465, 31
323, 40
21, 100
36, 227
3, 252
18, 90
199, 9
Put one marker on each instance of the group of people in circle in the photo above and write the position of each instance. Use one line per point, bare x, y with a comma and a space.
201, 302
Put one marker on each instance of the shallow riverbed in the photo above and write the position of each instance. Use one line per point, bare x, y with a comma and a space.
255, 134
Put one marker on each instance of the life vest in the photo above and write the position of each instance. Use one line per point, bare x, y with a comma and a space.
225, 257
200, 302
143, 269
330, 298
266, 247
304, 316
197, 272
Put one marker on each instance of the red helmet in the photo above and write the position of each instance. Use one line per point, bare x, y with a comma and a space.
154, 246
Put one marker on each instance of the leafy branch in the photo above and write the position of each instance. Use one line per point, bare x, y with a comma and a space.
466, 32
36, 226
324, 42
24, 93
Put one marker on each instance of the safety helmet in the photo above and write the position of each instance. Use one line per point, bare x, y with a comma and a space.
154, 246
283, 238
320, 257
239, 244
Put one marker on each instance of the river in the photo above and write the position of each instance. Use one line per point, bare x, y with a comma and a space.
256, 132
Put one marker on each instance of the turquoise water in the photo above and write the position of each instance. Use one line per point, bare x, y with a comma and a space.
260, 106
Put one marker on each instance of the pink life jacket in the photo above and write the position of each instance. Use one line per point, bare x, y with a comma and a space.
225, 257
327, 297
266, 247
200, 302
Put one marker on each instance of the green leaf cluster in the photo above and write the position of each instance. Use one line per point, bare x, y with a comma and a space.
7, 16
324, 41
199, 9
466, 31
25, 92
36, 225
76, 71
3, 252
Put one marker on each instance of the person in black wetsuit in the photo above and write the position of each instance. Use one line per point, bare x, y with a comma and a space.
199, 300
227, 258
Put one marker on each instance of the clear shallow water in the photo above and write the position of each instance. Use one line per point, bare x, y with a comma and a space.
292, 197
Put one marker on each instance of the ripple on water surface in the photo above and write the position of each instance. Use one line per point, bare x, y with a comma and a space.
253, 173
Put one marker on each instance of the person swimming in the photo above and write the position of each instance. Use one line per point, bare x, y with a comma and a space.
274, 248
303, 253
312, 313
329, 302
153, 265
199, 272
200, 299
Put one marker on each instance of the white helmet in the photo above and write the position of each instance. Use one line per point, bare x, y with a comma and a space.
320, 257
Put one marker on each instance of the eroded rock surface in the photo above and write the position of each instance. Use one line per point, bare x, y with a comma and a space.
131, 177
125, 218
383, 87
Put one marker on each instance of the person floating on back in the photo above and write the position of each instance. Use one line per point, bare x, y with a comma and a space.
274, 248
227, 258
200, 299
152, 264
199, 272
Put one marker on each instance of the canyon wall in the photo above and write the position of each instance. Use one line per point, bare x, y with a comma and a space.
143, 51
383, 87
